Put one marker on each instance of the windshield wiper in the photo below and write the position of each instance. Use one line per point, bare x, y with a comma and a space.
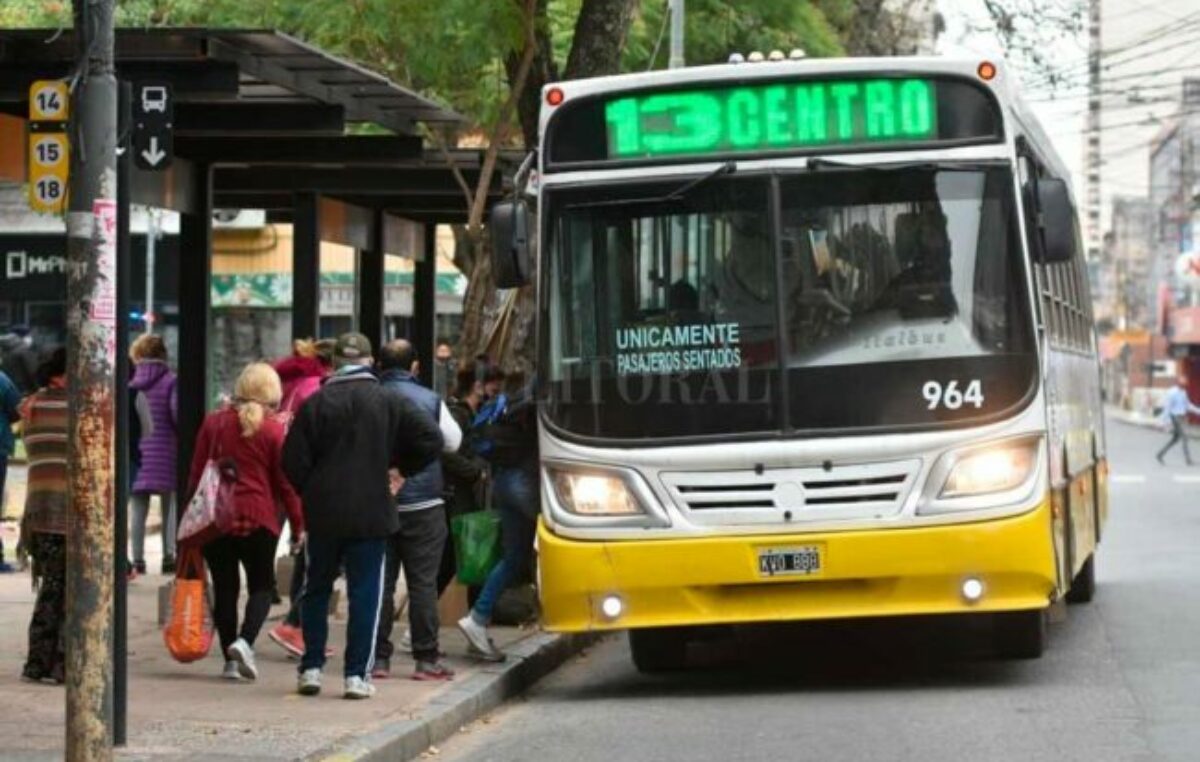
817, 163
728, 168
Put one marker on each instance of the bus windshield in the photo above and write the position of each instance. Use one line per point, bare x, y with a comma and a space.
872, 299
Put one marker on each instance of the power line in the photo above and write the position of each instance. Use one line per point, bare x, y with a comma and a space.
1176, 27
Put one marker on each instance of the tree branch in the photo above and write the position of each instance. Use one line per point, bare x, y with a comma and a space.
440, 142
491, 155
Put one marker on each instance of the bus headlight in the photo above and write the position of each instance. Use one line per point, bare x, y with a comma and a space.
585, 493
992, 469
979, 478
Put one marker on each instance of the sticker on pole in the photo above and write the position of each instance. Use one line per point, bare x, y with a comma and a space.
104, 297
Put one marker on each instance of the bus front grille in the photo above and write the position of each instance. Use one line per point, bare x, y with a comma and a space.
873, 490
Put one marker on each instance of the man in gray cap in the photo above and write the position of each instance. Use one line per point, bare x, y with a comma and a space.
341, 444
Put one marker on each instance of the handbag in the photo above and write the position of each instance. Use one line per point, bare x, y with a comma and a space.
210, 512
188, 633
477, 547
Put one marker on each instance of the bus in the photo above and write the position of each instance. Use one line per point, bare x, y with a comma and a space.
815, 342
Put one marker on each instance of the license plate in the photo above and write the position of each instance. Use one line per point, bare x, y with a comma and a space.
778, 562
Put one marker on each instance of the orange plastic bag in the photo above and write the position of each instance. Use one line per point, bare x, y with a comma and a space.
189, 629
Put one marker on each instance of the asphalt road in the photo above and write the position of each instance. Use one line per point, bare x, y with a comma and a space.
1120, 680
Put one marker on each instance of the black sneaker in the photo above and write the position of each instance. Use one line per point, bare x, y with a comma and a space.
382, 669
432, 671
168, 565
140, 568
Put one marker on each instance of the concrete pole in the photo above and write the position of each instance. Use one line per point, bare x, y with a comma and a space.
677, 16
1092, 154
91, 368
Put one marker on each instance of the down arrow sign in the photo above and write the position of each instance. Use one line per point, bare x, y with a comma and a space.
153, 155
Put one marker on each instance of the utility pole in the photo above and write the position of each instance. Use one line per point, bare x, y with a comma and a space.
677, 16
91, 367
1092, 153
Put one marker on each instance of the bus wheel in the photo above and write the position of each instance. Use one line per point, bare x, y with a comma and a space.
1083, 587
660, 649
1019, 634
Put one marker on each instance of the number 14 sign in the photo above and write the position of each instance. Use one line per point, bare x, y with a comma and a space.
49, 104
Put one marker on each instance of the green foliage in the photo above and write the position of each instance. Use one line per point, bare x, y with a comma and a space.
454, 50
716, 28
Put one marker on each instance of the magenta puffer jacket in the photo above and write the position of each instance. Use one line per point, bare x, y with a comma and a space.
156, 408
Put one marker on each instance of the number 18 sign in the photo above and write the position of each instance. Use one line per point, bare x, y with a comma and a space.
49, 104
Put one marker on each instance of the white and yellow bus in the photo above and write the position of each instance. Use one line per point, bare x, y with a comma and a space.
815, 342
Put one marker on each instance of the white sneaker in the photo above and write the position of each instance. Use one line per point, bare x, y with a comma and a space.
309, 682
231, 671
476, 634
241, 653
406, 642
358, 688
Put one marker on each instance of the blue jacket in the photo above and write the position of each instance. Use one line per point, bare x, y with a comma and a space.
425, 488
10, 403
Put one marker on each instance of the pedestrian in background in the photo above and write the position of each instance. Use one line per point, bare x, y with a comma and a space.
301, 374
246, 442
508, 436
156, 406
44, 524
10, 411
465, 472
1176, 407
418, 543
443, 369
20, 358
339, 449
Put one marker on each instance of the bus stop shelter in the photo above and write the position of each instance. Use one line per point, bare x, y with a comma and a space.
265, 121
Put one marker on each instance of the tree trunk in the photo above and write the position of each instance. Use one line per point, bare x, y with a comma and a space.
542, 71
599, 38
504, 327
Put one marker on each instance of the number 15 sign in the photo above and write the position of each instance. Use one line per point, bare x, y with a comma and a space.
49, 104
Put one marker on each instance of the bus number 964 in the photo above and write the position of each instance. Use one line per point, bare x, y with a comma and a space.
950, 396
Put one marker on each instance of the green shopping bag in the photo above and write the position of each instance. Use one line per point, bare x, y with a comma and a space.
477, 546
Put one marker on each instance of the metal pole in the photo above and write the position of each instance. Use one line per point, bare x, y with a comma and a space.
151, 241
677, 16
91, 356
121, 505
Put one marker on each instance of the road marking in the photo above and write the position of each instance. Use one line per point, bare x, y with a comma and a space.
1128, 478
1186, 479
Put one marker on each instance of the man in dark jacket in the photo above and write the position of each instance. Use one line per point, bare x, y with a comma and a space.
419, 542
340, 447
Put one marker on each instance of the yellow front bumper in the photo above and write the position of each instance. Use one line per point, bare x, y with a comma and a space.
715, 580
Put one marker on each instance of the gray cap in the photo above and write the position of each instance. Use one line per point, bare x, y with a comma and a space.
352, 349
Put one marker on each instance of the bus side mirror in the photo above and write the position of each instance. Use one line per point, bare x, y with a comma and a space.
509, 225
1059, 240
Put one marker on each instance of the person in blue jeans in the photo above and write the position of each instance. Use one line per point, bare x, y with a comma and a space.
341, 445
10, 406
507, 438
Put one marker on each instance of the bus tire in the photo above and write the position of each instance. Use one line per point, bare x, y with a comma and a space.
1083, 587
1019, 634
659, 649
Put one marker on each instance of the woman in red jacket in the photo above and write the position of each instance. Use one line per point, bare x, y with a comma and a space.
246, 441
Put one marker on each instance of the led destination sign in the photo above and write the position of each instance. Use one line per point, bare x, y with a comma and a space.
775, 116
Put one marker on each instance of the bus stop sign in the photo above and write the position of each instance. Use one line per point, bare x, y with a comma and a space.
153, 118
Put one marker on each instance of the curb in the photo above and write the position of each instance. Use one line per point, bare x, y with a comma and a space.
461, 704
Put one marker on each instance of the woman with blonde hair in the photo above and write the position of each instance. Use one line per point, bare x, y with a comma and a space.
246, 442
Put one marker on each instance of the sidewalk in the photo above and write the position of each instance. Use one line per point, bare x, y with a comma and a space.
1145, 421
181, 711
